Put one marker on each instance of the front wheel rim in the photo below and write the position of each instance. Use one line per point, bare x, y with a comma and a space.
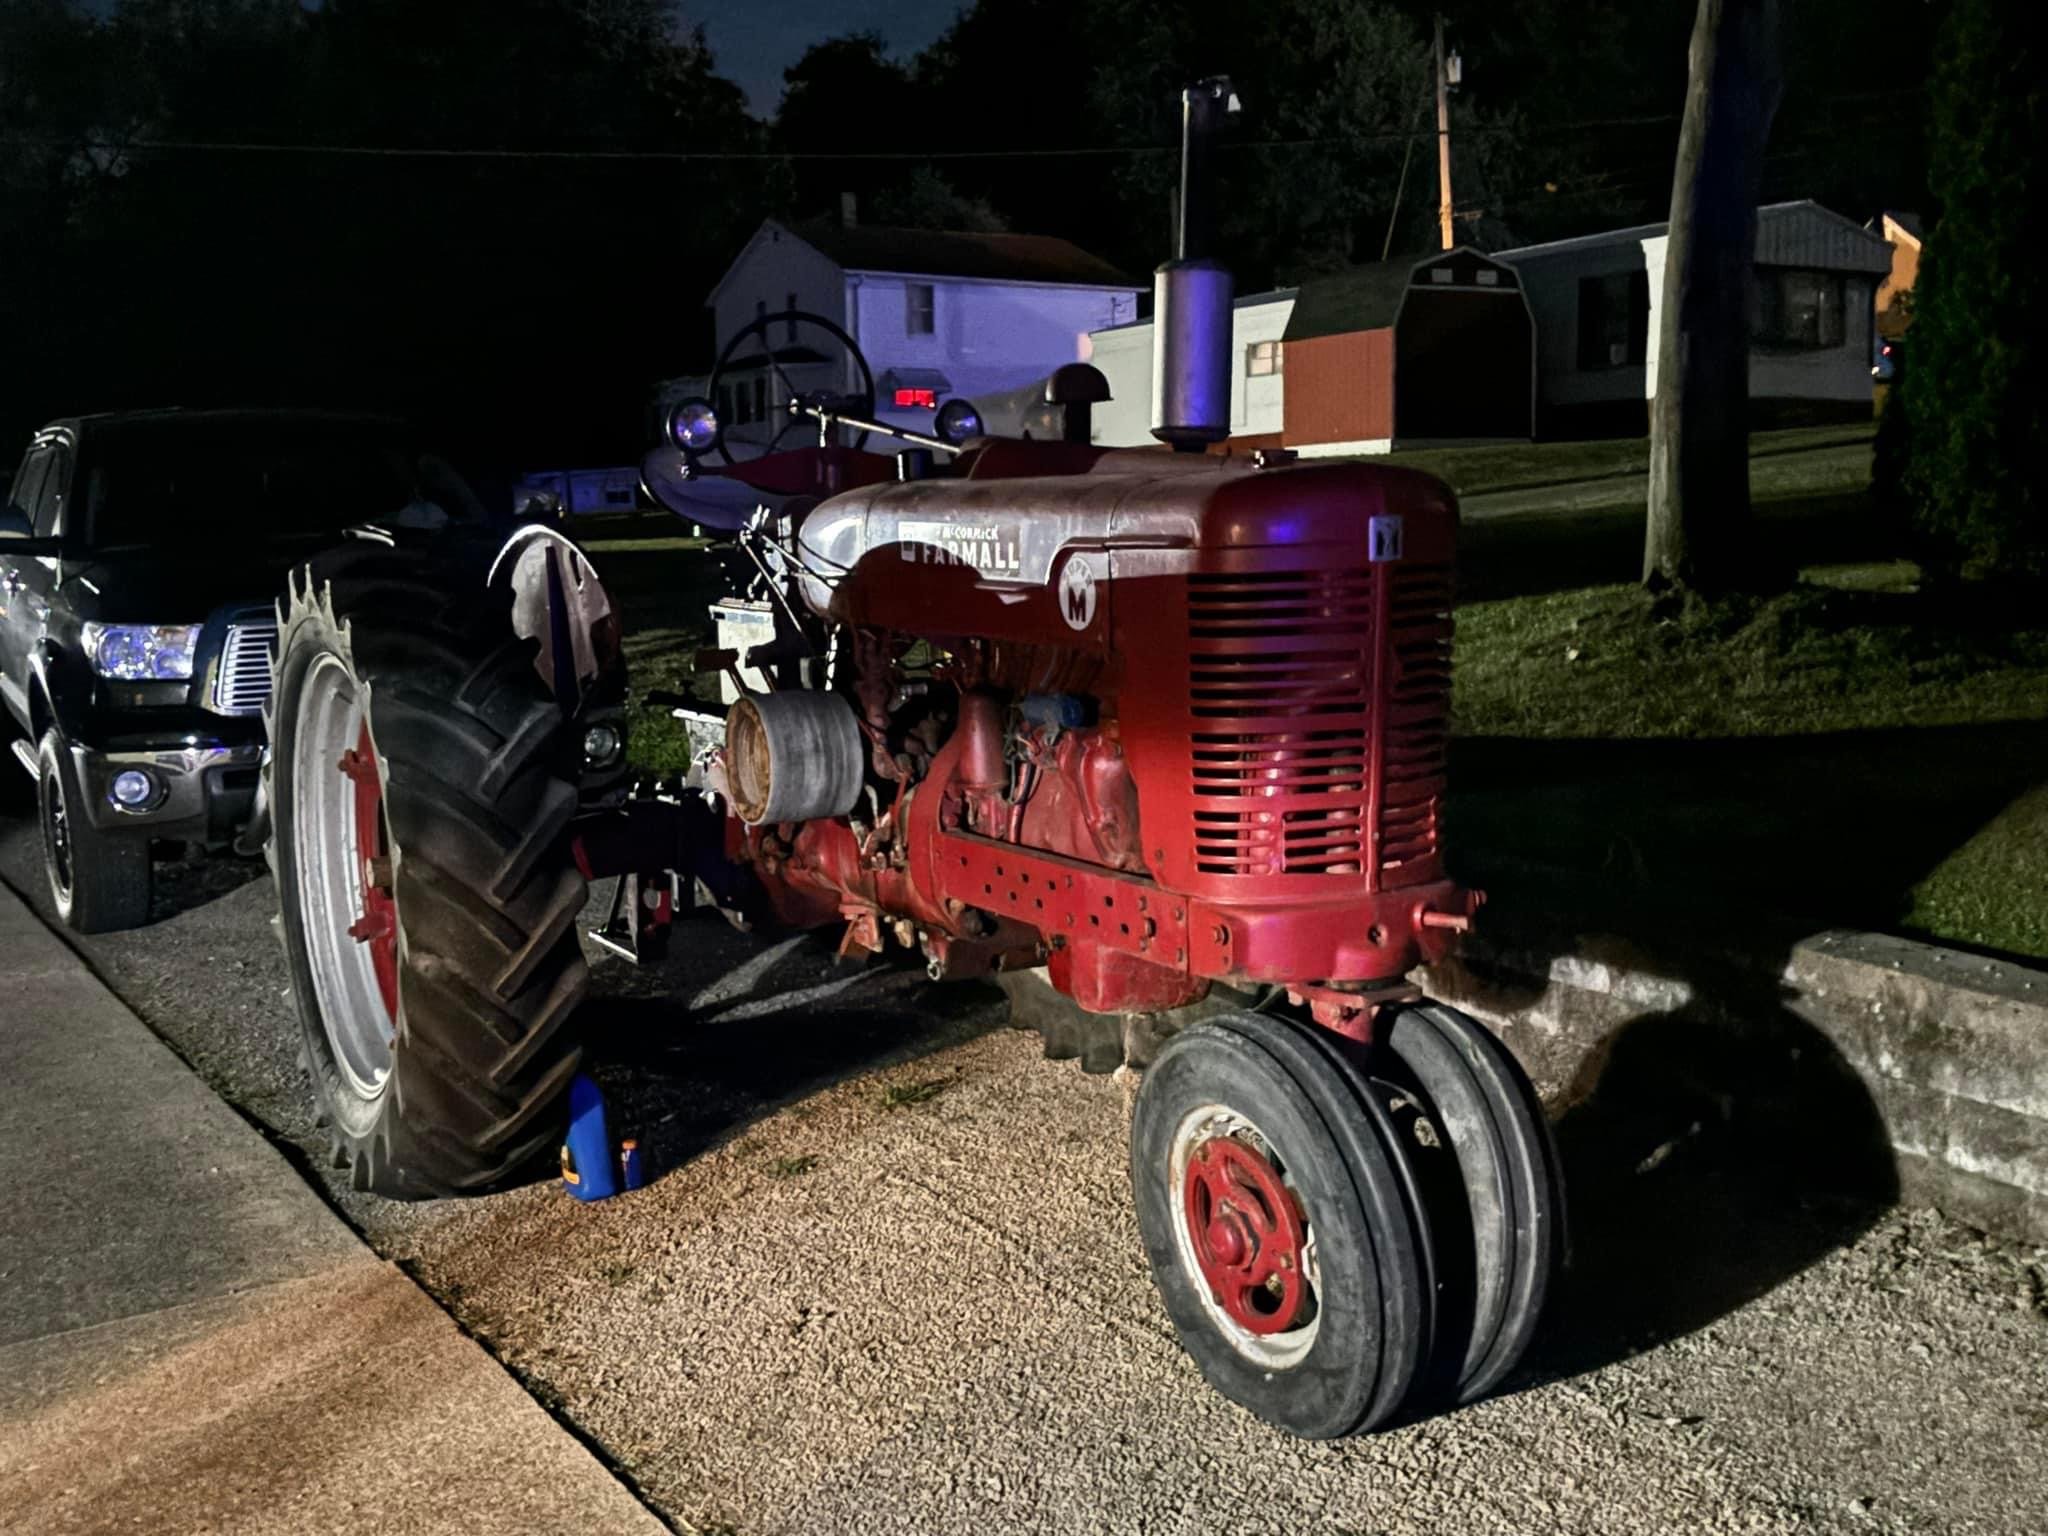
341, 848
57, 837
1253, 1265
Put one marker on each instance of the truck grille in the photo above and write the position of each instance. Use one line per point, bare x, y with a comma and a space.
1278, 684
241, 685
1417, 727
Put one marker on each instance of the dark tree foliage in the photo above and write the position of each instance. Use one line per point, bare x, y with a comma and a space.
520, 305
846, 97
530, 301
1975, 418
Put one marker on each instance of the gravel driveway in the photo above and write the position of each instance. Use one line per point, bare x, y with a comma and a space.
888, 1278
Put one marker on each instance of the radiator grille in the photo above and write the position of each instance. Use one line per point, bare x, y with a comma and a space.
242, 684
1279, 673
1418, 719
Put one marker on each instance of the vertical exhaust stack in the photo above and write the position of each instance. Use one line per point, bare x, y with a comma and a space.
1191, 295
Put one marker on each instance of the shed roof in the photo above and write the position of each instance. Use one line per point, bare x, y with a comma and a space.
961, 253
1369, 297
1358, 299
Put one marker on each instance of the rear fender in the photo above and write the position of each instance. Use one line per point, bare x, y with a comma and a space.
557, 600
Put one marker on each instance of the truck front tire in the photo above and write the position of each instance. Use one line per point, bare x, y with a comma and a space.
99, 881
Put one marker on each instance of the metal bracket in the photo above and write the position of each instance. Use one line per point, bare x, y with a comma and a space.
637, 924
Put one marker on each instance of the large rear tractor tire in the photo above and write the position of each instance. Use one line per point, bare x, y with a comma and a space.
420, 800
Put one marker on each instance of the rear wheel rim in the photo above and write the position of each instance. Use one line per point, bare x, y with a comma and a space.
341, 847
1244, 1237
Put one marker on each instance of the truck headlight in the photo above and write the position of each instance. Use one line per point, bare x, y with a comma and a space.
140, 653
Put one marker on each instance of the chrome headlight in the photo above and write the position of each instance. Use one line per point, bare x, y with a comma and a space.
693, 425
141, 653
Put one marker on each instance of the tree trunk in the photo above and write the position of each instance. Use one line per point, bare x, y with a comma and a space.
1699, 420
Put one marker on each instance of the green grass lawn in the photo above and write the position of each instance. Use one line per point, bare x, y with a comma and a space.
1495, 467
1840, 753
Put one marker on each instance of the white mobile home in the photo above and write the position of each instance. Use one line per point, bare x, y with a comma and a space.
1257, 380
1597, 299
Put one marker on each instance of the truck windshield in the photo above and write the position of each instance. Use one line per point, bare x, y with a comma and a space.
257, 481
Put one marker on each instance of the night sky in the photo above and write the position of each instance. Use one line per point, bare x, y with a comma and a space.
755, 40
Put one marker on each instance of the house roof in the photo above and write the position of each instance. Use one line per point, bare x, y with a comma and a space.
1771, 218
1907, 224
960, 253
1242, 301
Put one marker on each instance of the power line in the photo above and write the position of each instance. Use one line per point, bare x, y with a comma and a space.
463, 152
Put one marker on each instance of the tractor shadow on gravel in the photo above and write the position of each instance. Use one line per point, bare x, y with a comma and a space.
1715, 1144
732, 1028
1711, 1153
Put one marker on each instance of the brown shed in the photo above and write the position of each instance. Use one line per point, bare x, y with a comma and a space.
1401, 351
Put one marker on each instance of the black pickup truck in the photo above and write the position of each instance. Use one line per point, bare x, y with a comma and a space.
140, 555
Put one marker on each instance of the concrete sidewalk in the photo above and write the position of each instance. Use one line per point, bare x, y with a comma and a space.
193, 1341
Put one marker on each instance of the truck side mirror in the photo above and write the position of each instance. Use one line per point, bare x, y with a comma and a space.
17, 537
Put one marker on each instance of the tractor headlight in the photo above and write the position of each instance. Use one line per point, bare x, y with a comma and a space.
693, 425
141, 653
958, 420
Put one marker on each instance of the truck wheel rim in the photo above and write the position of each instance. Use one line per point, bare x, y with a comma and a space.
344, 867
1244, 1237
57, 829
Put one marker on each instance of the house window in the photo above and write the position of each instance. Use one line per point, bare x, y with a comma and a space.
761, 397
789, 333
1614, 319
1798, 310
917, 309
724, 404
1262, 358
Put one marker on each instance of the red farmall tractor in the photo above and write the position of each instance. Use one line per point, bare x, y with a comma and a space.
1156, 736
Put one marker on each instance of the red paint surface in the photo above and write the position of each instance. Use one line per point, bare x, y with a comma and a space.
1249, 1236
1340, 389
1258, 795
377, 924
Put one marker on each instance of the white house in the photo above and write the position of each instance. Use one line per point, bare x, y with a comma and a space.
936, 314
1257, 378
1597, 298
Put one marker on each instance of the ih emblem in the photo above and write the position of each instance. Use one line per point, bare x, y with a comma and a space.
1383, 538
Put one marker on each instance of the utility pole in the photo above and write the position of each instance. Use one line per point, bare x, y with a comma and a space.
1443, 138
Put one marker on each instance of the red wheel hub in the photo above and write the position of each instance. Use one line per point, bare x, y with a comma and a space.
377, 924
1249, 1235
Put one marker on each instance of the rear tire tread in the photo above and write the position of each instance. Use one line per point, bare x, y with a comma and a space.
490, 970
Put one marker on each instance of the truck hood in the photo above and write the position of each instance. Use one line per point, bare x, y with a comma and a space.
182, 586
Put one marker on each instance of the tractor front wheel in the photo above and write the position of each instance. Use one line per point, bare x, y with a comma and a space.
428, 898
1281, 1226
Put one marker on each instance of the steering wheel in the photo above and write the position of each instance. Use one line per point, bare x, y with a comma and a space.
785, 363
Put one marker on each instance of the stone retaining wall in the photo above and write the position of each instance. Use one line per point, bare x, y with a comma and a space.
1950, 1049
